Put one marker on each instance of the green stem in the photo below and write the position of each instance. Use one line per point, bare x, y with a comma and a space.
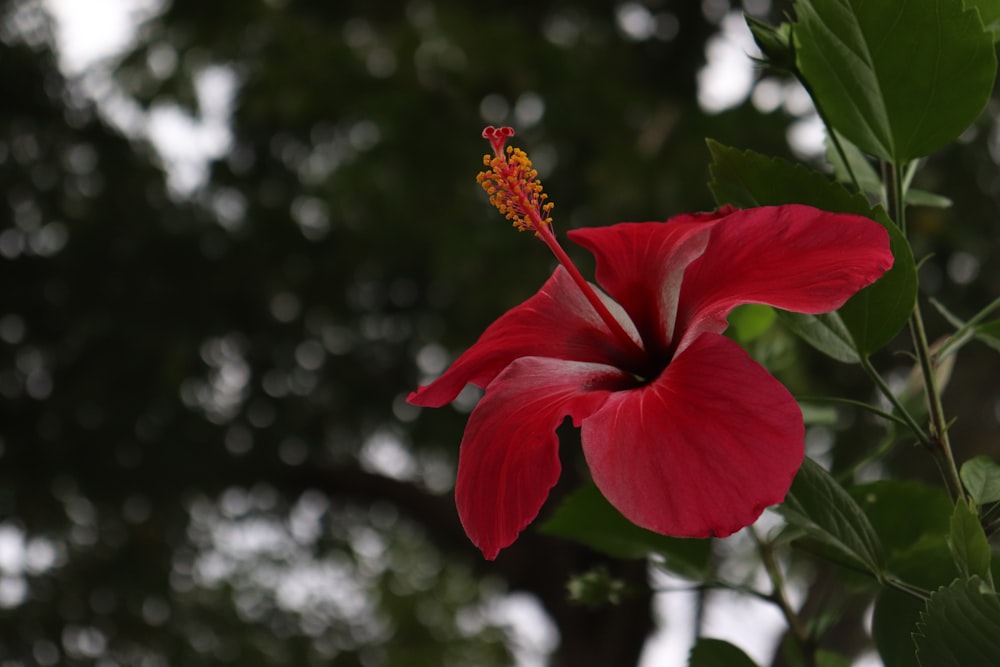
903, 587
778, 596
830, 132
888, 416
886, 390
546, 234
958, 338
940, 446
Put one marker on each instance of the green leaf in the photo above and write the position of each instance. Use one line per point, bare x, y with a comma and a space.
831, 659
899, 79
916, 552
867, 178
929, 565
959, 627
827, 333
873, 316
968, 543
718, 653
750, 321
981, 476
989, 333
818, 415
877, 313
916, 197
587, 517
885, 501
989, 12
822, 508
855, 163
986, 332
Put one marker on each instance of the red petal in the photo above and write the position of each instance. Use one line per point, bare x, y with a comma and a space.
556, 322
509, 458
703, 449
640, 264
792, 257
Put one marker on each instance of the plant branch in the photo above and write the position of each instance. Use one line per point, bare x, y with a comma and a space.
940, 446
886, 391
888, 416
798, 630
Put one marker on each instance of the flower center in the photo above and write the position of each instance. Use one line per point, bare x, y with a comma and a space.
514, 189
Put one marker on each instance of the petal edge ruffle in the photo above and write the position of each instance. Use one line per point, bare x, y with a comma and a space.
509, 456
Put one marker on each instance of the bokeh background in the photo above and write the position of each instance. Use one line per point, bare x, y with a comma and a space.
234, 239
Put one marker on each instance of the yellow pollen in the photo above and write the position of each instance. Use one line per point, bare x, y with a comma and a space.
514, 189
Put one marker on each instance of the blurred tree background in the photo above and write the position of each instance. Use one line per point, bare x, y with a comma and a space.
205, 453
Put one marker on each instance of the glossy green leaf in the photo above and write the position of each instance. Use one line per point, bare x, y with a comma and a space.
981, 477
928, 564
821, 507
959, 627
989, 12
968, 542
853, 168
873, 316
877, 313
827, 333
916, 552
587, 517
899, 79
718, 653
885, 501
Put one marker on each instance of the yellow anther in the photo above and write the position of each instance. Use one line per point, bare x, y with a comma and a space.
513, 186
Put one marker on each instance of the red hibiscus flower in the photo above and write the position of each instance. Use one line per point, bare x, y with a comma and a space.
682, 431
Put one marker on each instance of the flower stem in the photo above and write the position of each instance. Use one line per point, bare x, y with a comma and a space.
886, 390
795, 626
940, 446
546, 234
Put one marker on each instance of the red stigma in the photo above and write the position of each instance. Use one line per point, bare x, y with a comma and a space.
497, 136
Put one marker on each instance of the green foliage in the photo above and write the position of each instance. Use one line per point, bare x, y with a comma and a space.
968, 542
989, 333
900, 80
884, 502
718, 653
831, 659
750, 321
989, 12
981, 476
775, 43
958, 628
585, 516
928, 564
818, 505
596, 588
853, 168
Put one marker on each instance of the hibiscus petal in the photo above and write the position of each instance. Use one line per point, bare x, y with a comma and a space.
509, 459
640, 264
792, 257
557, 322
703, 449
